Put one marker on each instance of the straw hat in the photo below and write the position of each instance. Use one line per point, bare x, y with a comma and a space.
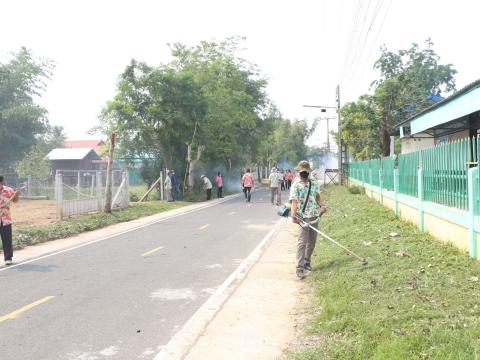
304, 165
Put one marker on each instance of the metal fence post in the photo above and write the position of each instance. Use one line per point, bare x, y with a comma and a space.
396, 179
59, 195
29, 185
78, 185
420, 200
380, 183
472, 195
161, 184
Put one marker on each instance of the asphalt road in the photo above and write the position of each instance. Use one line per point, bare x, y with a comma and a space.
125, 297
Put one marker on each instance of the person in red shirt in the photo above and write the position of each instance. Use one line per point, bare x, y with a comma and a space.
247, 185
289, 179
7, 196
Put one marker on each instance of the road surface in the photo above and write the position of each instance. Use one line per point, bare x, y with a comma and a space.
125, 297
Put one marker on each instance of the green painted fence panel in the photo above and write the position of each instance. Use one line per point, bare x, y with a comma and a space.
445, 170
408, 173
375, 166
388, 165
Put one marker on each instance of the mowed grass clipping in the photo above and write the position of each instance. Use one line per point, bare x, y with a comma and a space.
417, 298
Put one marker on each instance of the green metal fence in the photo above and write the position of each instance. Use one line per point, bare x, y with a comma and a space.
444, 173
445, 170
408, 173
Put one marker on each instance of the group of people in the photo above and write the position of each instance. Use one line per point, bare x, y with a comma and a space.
207, 185
286, 181
172, 187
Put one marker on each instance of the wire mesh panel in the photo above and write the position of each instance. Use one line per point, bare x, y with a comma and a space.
388, 165
408, 173
80, 192
445, 170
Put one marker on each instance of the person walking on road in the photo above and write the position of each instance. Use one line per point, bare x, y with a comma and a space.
306, 205
207, 186
7, 196
167, 184
219, 182
175, 186
275, 178
247, 185
289, 179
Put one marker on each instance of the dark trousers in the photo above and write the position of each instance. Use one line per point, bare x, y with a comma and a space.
220, 192
6, 235
246, 191
289, 184
209, 194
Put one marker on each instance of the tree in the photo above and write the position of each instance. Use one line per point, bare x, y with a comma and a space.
34, 163
23, 121
360, 128
407, 78
155, 112
235, 94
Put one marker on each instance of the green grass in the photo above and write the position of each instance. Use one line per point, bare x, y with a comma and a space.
29, 235
422, 305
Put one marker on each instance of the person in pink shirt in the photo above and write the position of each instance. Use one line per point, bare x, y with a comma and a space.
247, 185
219, 182
7, 196
289, 179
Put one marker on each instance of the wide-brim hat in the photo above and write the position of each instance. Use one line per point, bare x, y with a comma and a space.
304, 165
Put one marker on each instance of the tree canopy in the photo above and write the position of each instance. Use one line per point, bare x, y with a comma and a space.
24, 122
407, 78
207, 107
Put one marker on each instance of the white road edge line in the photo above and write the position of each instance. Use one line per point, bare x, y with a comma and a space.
183, 341
117, 234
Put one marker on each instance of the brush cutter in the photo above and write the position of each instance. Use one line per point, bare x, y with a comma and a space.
285, 210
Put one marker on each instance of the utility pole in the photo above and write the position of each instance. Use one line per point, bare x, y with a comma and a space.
108, 192
341, 155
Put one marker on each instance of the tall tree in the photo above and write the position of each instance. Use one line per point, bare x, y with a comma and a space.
407, 78
21, 80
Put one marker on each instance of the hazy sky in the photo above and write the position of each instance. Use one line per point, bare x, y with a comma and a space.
305, 48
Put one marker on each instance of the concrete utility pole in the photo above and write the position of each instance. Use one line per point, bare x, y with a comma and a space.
108, 192
341, 151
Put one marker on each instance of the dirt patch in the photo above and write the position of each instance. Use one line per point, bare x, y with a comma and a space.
34, 212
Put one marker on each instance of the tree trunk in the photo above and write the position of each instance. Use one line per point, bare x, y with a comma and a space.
386, 142
191, 164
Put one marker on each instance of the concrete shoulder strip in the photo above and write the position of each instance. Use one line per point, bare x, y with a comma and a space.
181, 343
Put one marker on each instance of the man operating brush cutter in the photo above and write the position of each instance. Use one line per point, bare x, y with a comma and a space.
306, 208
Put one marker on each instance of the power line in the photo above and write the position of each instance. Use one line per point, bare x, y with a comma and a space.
371, 52
356, 75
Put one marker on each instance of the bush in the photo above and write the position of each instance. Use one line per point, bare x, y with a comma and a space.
356, 190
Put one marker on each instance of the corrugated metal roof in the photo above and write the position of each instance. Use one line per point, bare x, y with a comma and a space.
71, 154
96, 145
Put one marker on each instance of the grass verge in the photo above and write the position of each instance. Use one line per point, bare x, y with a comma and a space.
29, 235
416, 299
